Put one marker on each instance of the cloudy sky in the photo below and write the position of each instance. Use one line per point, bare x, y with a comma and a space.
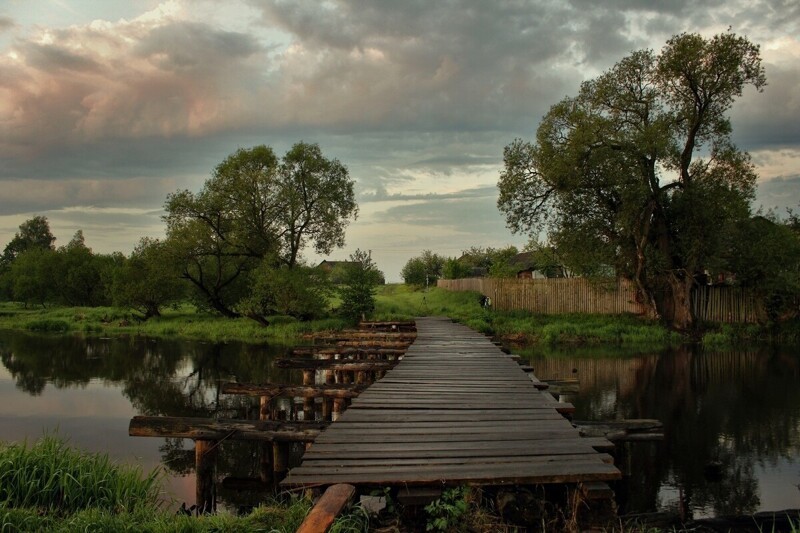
107, 106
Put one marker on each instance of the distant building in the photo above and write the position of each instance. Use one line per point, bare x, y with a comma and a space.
526, 267
329, 266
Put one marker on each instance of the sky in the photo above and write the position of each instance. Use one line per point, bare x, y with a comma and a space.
108, 106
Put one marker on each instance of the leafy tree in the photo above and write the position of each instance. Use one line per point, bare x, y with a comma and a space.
301, 292
501, 266
317, 201
255, 208
358, 290
423, 270
148, 280
79, 279
764, 252
33, 233
31, 276
638, 170
225, 230
455, 269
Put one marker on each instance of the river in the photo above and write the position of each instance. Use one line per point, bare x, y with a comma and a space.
731, 418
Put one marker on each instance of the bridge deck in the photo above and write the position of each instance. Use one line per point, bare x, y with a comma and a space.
456, 410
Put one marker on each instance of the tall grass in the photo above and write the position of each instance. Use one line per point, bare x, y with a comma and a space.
49, 486
51, 476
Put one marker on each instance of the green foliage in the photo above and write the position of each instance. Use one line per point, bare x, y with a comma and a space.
317, 200
51, 487
255, 208
300, 292
501, 265
79, 275
496, 262
47, 325
765, 254
49, 475
455, 269
424, 270
33, 234
616, 176
31, 276
448, 513
148, 280
358, 290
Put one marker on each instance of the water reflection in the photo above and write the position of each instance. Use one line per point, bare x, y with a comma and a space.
731, 421
88, 389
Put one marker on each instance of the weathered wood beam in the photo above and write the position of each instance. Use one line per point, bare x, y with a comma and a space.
224, 429
622, 430
301, 391
314, 364
332, 502
348, 350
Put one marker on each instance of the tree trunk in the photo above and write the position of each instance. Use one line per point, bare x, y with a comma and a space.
675, 301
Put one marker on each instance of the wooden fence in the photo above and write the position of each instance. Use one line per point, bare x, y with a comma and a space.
727, 304
613, 296
555, 295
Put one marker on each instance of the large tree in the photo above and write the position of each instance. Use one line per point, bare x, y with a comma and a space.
256, 208
33, 233
638, 170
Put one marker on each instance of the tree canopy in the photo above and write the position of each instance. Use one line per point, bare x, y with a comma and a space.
33, 233
638, 171
256, 208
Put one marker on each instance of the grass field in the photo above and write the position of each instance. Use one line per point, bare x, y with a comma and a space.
393, 302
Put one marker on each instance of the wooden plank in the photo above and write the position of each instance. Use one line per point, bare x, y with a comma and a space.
499, 474
454, 410
461, 449
362, 463
323, 514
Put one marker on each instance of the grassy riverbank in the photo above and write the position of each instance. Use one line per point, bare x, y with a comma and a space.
393, 302
49, 486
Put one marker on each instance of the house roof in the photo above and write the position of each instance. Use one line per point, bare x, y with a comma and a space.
523, 261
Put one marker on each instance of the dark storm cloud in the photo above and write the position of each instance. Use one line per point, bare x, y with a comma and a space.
770, 119
49, 58
185, 46
413, 96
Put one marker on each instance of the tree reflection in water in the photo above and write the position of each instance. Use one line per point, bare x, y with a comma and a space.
158, 377
725, 414
728, 415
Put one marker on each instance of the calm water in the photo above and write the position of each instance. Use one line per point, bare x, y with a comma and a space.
731, 422
87, 390
732, 419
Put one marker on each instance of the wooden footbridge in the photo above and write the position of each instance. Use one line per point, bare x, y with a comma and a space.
456, 410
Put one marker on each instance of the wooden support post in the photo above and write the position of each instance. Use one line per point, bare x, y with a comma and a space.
280, 458
322, 515
338, 408
265, 450
205, 452
308, 403
327, 407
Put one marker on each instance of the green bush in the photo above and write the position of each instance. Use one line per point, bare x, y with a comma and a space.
47, 325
